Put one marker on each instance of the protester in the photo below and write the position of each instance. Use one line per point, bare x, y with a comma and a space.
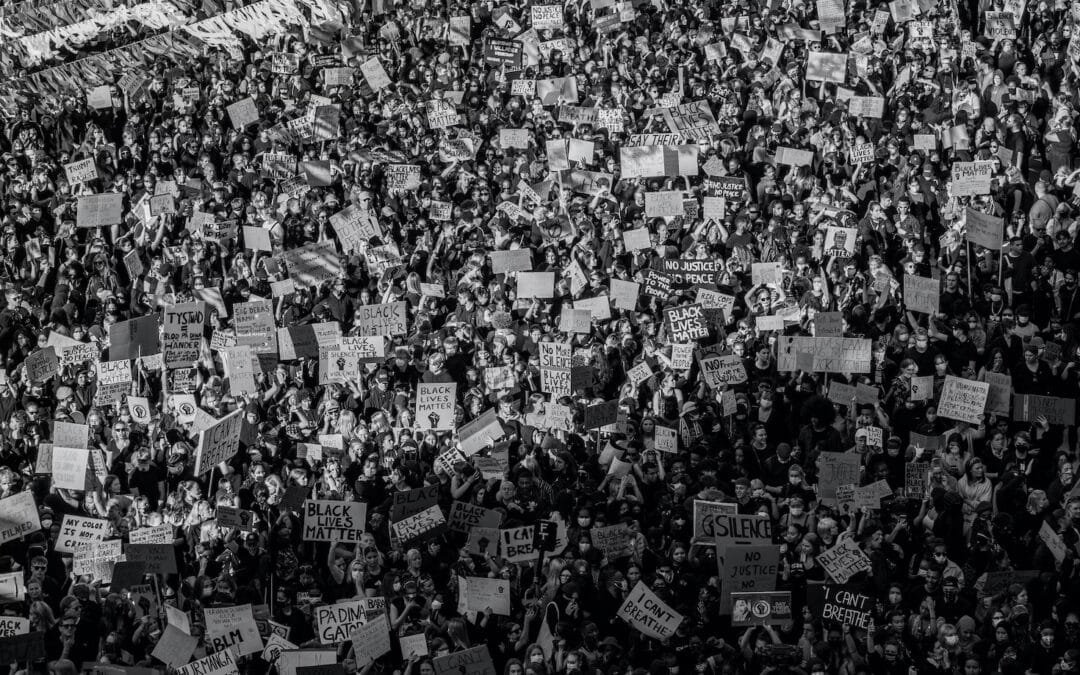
606, 337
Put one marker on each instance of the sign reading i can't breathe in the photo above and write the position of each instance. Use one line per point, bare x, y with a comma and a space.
645, 611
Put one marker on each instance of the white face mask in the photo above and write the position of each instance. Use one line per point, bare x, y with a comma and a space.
436, 605
796, 512
536, 658
952, 640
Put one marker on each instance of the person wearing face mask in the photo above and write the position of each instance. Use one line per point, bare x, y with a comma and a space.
1047, 652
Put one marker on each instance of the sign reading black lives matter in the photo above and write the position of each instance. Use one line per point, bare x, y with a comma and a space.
686, 323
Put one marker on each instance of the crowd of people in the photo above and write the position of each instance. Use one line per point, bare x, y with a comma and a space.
516, 325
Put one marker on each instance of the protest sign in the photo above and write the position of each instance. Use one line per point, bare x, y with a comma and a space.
77, 530
646, 612
482, 594
370, 641
313, 264
476, 434
517, 544
219, 442
232, 629
69, 467
916, 477
133, 339
536, 285
465, 516
472, 661
922, 388
842, 604
737, 529
692, 120
18, 516
81, 171
862, 153
963, 399
614, 541
159, 558
182, 333
686, 323
664, 203
410, 502
218, 663
844, 560
435, 406
336, 623
705, 514
830, 355
331, 520
242, 113
382, 319
721, 370
23, 648
761, 608
921, 294
426, 524
999, 398
983, 229
970, 178
14, 625
1029, 407
374, 74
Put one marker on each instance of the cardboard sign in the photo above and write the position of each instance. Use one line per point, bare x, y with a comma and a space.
232, 629
243, 113
842, 604
738, 529
985, 230
76, 531
664, 204
761, 608
472, 661
99, 210
645, 611
536, 285
686, 323
219, 442
426, 524
705, 514
1028, 408
517, 544
517, 260
465, 516
482, 594
971, 178
922, 388
69, 467
435, 404
333, 520
81, 171
862, 154
182, 333
313, 264
410, 502
218, 663
159, 558
382, 319
18, 516
374, 74
475, 435
721, 370
844, 560
129, 340
963, 399
830, 355
336, 623
921, 294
